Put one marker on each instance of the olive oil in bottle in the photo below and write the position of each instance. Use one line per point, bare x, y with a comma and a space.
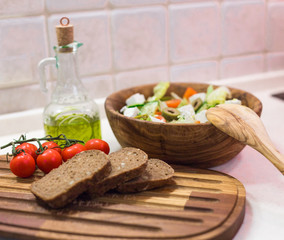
74, 126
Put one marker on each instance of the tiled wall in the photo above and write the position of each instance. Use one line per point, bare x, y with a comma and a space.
132, 42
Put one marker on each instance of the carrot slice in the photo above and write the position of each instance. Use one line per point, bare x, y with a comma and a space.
189, 92
173, 103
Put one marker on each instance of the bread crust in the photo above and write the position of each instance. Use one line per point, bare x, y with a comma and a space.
157, 174
127, 164
59, 193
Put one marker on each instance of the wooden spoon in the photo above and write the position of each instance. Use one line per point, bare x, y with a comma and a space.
243, 124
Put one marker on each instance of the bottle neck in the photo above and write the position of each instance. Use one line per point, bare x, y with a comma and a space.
67, 69
69, 88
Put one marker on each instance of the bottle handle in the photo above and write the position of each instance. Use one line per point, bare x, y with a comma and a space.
41, 68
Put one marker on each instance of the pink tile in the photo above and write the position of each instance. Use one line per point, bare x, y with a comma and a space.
99, 86
244, 24
91, 29
192, 1
21, 7
139, 37
245, 0
55, 6
136, 78
275, 27
23, 74
275, 61
120, 3
29, 97
24, 44
192, 35
195, 72
241, 66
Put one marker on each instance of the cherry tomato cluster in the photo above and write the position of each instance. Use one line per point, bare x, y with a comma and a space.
49, 155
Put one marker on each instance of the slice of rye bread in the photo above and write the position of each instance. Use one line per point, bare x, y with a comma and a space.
65, 183
157, 174
126, 164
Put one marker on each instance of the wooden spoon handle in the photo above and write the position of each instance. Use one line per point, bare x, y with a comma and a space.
244, 125
275, 157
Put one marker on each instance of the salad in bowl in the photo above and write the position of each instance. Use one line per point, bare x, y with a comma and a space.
191, 107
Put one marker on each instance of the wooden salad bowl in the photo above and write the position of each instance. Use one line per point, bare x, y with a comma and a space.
198, 145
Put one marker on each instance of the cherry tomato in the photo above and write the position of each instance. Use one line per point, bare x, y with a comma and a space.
28, 148
97, 144
49, 160
52, 145
23, 165
71, 151
160, 118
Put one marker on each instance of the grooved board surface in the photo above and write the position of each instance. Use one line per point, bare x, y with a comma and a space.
199, 204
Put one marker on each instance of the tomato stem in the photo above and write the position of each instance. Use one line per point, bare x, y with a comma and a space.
23, 139
40, 148
13, 148
7, 157
16, 151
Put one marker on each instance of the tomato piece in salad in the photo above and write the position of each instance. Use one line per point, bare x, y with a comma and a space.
189, 92
173, 103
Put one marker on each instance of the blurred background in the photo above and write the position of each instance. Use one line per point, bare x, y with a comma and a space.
133, 42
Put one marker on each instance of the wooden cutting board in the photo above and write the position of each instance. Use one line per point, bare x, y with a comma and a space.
199, 204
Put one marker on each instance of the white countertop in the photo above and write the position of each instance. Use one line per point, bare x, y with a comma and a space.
264, 184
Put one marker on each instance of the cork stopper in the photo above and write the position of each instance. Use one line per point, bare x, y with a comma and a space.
65, 34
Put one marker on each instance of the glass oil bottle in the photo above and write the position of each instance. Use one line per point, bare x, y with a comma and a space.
70, 111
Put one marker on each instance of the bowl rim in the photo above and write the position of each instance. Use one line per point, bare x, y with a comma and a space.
109, 106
